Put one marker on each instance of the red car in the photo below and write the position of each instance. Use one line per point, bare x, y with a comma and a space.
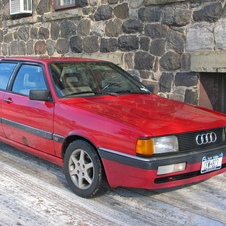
106, 128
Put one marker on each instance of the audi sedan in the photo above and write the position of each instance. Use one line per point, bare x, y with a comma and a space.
104, 127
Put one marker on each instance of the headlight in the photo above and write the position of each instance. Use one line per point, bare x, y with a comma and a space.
157, 145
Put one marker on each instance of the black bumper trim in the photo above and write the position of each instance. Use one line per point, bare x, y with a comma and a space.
154, 162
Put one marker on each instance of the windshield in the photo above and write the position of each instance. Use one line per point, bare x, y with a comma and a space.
76, 79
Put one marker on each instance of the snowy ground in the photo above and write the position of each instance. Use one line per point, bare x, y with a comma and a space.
35, 192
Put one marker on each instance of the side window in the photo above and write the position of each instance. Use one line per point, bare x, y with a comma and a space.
29, 77
6, 69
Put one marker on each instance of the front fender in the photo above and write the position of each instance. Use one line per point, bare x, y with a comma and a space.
76, 135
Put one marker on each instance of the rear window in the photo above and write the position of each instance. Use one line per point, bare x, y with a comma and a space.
6, 69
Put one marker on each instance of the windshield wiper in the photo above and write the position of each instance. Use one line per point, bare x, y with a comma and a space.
134, 91
96, 92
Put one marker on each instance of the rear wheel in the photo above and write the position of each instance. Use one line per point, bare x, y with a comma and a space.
83, 170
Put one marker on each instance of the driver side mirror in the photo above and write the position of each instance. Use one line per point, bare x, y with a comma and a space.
42, 95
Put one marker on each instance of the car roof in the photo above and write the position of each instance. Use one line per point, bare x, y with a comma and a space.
49, 59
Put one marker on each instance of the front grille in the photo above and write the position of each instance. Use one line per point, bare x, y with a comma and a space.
187, 141
181, 176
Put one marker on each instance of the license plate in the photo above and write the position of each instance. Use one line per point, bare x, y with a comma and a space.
211, 163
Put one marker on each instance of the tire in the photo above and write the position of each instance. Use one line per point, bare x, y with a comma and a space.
83, 170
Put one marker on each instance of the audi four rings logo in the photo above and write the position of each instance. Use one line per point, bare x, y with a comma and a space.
207, 138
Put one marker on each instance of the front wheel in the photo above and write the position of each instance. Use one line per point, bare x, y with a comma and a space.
83, 170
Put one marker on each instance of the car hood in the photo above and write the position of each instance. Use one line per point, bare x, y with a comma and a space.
153, 114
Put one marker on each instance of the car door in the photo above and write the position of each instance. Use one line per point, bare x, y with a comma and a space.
28, 122
6, 70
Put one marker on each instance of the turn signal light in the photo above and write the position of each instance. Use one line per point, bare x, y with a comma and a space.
145, 147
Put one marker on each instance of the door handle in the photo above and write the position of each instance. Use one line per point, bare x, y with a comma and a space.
8, 100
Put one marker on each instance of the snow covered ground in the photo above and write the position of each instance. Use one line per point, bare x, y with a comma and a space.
34, 192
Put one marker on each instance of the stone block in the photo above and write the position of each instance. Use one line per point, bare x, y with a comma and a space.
67, 28
150, 14
170, 61
4, 49
175, 41
34, 33
176, 17
108, 45
132, 26
55, 30
62, 46
129, 61
104, 12
135, 4
113, 28
50, 47
165, 82
40, 47
82, 3
8, 38
146, 74
122, 11
208, 61
30, 47
91, 44
43, 33
84, 27
76, 44
128, 42
156, 30
200, 36
44, 6
98, 28
61, 15
220, 34
23, 33
13, 48
186, 79
133, 14
210, 13
185, 62
158, 47
21, 48
143, 61
144, 43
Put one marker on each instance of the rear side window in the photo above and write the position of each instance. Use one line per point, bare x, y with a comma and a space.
6, 69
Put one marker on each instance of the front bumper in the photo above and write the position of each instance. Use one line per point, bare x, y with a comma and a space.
132, 171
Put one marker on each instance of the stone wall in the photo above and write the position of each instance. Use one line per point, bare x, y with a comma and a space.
152, 39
